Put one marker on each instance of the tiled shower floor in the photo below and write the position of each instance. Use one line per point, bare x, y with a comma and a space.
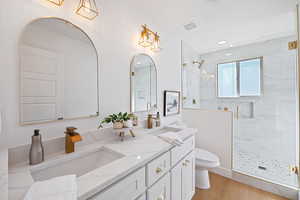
271, 169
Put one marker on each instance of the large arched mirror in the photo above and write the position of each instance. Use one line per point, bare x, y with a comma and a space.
58, 72
143, 83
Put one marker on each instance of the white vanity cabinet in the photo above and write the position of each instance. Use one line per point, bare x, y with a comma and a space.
170, 176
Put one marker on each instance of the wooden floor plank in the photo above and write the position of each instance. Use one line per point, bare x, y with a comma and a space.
226, 189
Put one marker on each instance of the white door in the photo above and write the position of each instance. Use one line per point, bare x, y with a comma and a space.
41, 85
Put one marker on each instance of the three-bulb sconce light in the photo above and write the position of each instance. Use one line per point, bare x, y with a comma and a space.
149, 39
86, 8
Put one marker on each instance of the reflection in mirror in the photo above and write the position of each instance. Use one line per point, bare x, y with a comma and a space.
143, 83
58, 72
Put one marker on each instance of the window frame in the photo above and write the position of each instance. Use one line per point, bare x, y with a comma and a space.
237, 62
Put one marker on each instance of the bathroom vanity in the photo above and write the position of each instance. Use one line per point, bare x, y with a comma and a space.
139, 168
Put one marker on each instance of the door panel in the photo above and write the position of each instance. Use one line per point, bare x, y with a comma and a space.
41, 85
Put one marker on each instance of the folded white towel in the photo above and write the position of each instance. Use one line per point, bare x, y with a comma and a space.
172, 138
59, 188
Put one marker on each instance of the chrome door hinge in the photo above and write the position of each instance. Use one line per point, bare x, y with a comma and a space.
293, 45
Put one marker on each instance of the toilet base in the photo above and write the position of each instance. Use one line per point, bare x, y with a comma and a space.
202, 179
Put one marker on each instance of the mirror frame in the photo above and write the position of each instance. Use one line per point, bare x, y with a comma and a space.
19, 61
132, 107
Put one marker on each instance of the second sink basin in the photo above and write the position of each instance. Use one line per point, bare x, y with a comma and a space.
77, 163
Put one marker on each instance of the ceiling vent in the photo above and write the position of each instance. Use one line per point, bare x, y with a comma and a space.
190, 26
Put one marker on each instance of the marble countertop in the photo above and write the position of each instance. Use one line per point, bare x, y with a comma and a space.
137, 152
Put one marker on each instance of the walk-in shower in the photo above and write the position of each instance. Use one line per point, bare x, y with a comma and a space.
257, 80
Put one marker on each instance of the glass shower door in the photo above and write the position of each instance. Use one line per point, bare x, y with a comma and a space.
265, 139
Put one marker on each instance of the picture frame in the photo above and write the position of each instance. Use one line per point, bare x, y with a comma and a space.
171, 103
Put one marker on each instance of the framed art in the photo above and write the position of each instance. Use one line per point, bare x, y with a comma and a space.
171, 103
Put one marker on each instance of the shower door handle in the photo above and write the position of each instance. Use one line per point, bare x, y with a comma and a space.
294, 169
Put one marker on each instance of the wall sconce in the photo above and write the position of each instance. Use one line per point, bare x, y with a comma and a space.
57, 2
149, 39
87, 9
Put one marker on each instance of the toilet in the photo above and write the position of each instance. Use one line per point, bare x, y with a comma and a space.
204, 161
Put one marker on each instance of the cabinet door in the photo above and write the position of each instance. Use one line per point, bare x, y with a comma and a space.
160, 190
188, 177
176, 180
143, 197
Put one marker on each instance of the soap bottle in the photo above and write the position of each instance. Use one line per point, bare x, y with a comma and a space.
157, 121
150, 121
36, 154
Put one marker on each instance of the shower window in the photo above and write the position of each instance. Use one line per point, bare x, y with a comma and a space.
240, 78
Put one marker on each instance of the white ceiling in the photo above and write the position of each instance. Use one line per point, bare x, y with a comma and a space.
236, 21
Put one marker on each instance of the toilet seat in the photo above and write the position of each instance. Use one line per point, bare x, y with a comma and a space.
206, 159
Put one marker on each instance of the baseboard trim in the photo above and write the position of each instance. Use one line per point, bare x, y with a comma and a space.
290, 193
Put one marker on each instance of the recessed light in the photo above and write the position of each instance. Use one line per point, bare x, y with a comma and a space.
228, 54
231, 45
222, 42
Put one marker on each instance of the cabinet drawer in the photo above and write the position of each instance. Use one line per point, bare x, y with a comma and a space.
160, 190
157, 168
178, 152
129, 188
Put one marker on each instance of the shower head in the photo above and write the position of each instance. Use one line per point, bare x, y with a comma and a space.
200, 63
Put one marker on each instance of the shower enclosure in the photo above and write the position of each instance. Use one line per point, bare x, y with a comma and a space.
258, 83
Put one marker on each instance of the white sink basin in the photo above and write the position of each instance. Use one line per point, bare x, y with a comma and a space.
165, 129
76, 163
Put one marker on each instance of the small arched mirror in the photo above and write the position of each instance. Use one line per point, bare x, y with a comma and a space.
58, 72
143, 83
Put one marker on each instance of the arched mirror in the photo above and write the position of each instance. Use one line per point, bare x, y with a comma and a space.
143, 83
58, 72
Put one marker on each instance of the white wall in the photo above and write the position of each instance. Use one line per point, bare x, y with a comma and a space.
115, 33
214, 132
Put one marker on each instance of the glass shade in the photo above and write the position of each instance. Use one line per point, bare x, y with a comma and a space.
88, 9
155, 47
57, 2
145, 40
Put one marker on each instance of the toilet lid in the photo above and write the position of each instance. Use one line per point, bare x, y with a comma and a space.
206, 156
